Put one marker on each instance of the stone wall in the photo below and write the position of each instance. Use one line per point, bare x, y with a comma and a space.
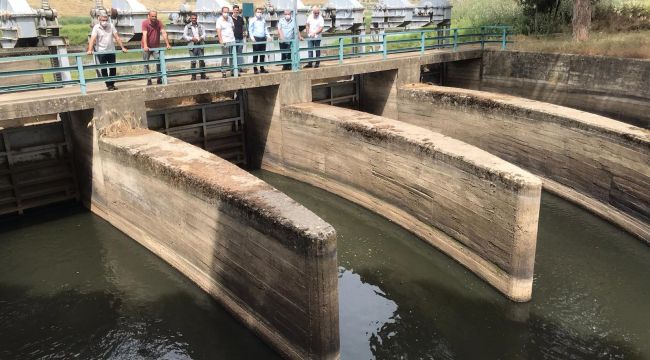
599, 163
265, 258
473, 206
613, 87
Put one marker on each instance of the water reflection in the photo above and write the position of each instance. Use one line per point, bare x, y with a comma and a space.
589, 297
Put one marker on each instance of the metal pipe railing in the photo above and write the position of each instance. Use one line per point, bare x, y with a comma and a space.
344, 47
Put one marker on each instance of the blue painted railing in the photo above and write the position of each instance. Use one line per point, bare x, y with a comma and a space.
337, 48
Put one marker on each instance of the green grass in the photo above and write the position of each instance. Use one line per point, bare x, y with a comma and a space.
626, 45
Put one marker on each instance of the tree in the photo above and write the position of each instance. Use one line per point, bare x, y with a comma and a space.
581, 20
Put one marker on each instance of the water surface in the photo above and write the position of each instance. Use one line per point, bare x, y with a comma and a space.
71, 285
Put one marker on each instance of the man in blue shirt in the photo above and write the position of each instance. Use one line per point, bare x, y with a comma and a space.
286, 32
258, 34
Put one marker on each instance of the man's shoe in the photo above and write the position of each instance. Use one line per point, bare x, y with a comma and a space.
317, 65
224, 75
149, 82
159, 81
264, 71
307, 66
194, 77
111, 88
255, 71
205, 77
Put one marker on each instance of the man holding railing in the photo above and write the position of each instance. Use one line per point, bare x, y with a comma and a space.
286, 32
226, 36
258, 34
314, 28
101, 40
151, 30
194, 33
238, 30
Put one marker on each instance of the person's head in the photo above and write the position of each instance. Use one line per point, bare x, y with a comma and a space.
315, 10
225, 11
235, 10
193, 18
259, 12
153, 16
287, 14
103, 20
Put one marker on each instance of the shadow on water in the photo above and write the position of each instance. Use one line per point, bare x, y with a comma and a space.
72, 286
402, 299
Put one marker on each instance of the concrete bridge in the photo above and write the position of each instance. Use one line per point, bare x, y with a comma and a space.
461, 169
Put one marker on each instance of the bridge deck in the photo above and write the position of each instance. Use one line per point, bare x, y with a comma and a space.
14, 106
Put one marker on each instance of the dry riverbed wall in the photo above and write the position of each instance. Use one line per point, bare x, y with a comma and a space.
480, 210
596, 162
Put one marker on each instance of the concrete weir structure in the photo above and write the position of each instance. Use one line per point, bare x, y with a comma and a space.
265, 258
598, 163
475, 207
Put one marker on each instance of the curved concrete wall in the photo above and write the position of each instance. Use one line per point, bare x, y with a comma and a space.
615, 87
267, 259
475, 207
599, 163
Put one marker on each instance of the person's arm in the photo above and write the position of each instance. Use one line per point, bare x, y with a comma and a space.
91, 42
280, 32
186, 33
251, 26
307, 28
164, 35
119, 41
201, 33
219, 32
321, 25
143, 41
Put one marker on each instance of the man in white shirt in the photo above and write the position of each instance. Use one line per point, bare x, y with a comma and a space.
194, 33
314, 28
226, 36
101, 40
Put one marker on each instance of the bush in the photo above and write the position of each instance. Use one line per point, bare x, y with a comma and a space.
616, 16
474, 13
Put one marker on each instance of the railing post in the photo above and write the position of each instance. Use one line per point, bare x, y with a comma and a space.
295, 54
384, 45
163, 66
455, 39
235, 65
82, 76
340, 50
482, 38
422, 42
504, 38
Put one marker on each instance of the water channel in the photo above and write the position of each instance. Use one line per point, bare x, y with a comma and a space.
71, 285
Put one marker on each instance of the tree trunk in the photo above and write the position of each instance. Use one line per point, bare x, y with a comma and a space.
581, 21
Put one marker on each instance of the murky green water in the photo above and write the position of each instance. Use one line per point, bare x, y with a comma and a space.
71, 285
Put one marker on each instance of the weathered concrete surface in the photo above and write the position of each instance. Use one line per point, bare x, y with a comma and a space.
473, 206
613, 87
267, 259
599, 163
378, 90
36, 103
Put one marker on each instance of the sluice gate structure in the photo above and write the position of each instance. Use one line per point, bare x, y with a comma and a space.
152, 161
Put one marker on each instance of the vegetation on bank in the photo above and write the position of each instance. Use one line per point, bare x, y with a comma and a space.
619, 27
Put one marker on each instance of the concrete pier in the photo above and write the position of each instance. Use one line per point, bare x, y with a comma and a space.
598, 163
478, 209
265, 258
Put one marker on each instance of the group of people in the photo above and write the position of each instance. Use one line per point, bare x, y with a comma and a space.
230, 28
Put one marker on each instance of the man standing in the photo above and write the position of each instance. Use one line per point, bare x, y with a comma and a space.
239, 35
194, 33
151, 30
226, 36
286, 32
258, 34
314, 28
101, 40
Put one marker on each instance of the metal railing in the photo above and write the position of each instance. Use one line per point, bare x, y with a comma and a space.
175, 61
